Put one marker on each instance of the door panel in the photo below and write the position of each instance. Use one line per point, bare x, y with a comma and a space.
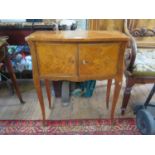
57, 59
98, 60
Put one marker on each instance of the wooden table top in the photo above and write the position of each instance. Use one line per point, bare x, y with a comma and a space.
77, 36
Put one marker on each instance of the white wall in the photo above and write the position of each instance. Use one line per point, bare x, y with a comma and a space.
12, 20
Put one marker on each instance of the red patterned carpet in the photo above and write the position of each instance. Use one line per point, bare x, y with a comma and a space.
69, 127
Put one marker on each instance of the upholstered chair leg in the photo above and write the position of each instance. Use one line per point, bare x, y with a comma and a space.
126, 96
108, 92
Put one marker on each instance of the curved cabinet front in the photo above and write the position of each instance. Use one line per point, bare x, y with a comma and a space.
98, 60
57, 60
77, 62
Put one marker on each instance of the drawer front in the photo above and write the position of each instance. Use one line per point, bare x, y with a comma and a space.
56, 59
98, 60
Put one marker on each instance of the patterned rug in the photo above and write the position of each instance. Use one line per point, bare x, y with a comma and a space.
69, 127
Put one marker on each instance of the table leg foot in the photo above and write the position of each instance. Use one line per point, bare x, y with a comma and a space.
115, 97
40, 97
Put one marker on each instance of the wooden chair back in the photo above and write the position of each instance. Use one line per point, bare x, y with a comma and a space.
105, 24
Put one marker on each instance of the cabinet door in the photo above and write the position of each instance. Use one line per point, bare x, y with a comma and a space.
98, 60
56, 60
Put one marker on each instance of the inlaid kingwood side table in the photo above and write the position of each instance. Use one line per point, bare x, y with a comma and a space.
77, 56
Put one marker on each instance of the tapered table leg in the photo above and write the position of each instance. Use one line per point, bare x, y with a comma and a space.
115, 97
40, 97
48, 91
108, 92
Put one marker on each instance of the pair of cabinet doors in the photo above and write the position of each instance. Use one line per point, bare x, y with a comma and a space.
85, 61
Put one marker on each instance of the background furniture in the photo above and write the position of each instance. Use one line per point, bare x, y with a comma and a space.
17, 32
140, 65
77, 56
105, 24
4, 58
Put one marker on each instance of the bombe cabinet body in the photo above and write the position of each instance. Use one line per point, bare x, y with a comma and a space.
77, 56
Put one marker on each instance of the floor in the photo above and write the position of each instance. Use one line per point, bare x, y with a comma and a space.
79, 108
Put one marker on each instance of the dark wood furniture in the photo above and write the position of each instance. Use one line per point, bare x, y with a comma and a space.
142, 37
18, 32
15, 35
5, 60
77, 56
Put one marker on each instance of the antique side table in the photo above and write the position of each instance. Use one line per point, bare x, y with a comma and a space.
77, 56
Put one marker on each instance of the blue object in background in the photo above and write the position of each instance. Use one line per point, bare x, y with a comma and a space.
20, 57
88, 88
34, 20
13, 49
